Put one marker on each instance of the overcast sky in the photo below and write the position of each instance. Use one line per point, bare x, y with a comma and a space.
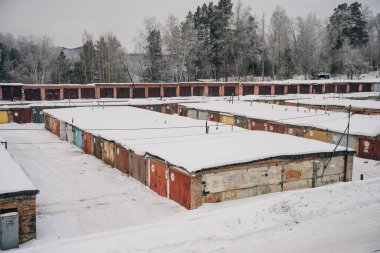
65, 20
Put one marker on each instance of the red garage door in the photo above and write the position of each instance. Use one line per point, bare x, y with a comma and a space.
87, 143
122, 159
158, 182
179, 188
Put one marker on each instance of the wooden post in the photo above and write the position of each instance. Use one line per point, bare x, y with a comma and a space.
285, 89
162, 93
79, 93
114, 92
146, 89
323, 88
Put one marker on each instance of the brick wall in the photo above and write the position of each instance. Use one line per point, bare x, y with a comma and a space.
26, 207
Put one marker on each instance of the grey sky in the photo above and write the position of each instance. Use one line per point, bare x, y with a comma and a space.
65, 20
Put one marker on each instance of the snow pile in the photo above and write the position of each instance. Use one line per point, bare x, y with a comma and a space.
174, 138
12, 178
332, 121
343, 217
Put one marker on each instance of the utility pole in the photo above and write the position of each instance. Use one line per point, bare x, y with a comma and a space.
346, 155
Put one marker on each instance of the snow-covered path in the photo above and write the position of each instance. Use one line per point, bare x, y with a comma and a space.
79, 194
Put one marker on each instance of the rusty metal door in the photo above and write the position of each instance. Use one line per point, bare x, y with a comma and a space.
369, 149
87, 143
122, 159
57, 128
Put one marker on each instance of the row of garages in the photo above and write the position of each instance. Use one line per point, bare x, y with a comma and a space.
34, 113
368, 107
149, 90
366, 146
167, 167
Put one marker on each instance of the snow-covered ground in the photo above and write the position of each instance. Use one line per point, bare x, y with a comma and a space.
80, 195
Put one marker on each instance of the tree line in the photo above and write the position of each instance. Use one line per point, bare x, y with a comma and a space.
215, 41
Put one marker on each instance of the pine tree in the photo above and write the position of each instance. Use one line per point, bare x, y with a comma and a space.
154, 60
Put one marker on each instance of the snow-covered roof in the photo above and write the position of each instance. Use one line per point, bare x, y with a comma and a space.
5, 105
332, 121
12, 178
309, 96
362, 104
182, 141
321, 81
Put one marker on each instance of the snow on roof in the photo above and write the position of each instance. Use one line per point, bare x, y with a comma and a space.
106, 102
321, 81
12, 178
362, 104
182, 141
309, 96
332, 121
